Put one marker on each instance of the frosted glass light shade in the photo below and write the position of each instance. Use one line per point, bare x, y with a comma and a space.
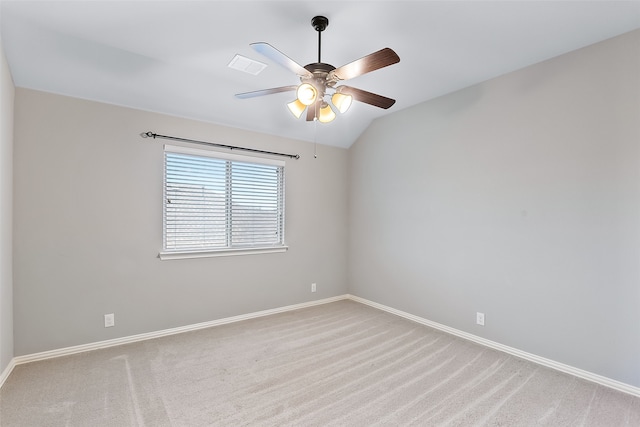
296, 107
326, 114
341, 101
306, 93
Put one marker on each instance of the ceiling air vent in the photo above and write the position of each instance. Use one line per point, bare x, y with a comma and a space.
247, 65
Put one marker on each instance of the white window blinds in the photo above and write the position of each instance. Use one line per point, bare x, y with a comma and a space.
216, 201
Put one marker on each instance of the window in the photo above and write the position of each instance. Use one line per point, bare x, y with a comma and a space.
221, 204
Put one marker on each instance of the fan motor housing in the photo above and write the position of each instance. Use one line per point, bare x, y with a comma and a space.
320, 71
319, 68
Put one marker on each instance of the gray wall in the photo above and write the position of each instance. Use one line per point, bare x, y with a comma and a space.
518, 197
88, 212
7, 92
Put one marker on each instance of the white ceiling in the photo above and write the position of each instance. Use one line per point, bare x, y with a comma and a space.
171, 56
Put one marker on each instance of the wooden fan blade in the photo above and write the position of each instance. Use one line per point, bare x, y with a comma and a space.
311, 111
367, 97
367, 64
280, 58
262, 92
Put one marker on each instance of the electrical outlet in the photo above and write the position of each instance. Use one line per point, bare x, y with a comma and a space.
480, 319
109, 320
313, 287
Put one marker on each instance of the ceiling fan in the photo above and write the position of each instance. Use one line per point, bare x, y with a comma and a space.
319, 80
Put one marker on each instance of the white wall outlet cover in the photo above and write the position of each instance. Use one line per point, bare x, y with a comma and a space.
480, 319
109, 320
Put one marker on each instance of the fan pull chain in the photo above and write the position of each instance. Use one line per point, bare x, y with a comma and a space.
315, 139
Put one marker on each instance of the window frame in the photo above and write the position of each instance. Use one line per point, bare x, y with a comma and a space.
167, 254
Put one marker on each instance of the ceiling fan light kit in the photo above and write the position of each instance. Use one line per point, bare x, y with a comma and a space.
318, 80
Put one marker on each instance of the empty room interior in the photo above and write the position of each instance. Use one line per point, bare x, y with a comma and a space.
320, 213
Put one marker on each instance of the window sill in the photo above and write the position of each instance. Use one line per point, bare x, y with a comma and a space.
221, 252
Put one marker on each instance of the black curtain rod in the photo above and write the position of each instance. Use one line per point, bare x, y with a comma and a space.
214, 144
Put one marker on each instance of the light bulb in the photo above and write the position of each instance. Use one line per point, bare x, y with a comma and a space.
306, 93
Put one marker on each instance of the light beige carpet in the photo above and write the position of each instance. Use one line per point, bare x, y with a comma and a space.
338, 364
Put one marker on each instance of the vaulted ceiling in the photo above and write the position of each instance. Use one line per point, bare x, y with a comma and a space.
171, 56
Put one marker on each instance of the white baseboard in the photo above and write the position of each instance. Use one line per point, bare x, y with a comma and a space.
580, 373
589, 376
7, 371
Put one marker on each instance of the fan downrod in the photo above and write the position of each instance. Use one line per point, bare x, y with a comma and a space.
320, 23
